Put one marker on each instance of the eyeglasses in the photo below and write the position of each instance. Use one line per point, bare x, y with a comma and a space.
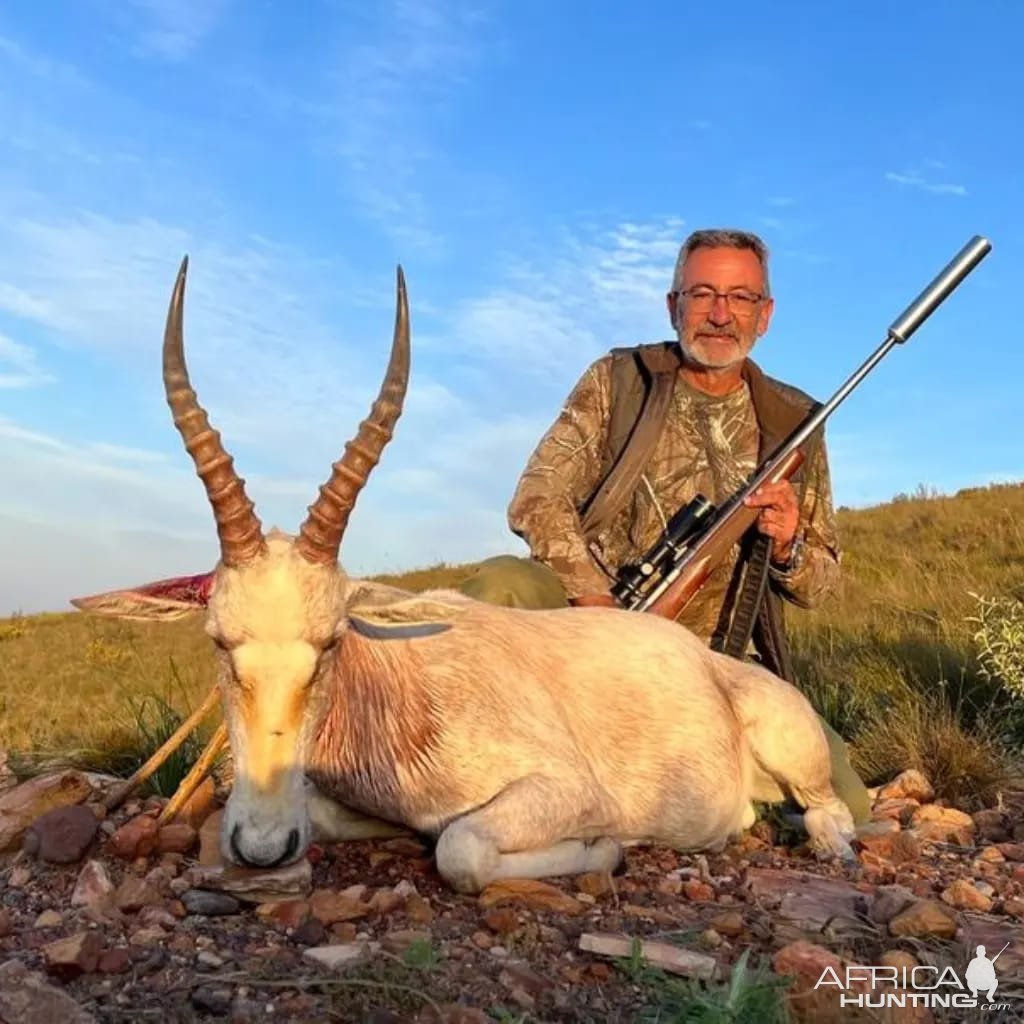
701, 298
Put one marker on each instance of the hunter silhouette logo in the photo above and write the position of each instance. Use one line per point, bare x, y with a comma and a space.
921, 985
981, 973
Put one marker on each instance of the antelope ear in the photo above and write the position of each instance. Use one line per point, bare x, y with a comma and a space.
405, 619
162, 601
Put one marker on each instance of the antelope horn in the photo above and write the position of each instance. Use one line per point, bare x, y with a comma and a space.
240, 532
320, 535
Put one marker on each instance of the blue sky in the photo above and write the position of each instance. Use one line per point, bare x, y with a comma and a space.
534, 167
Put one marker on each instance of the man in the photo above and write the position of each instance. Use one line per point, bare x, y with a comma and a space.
645, 430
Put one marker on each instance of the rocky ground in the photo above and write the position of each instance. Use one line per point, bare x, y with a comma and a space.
114, 919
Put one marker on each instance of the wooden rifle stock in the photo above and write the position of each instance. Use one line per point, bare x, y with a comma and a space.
711, 549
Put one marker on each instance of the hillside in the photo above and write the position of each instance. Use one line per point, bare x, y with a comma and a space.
892, 661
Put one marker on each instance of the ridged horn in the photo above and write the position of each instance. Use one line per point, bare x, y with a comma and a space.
320, 535
240, 532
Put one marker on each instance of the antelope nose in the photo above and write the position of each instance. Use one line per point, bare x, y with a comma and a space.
251, 861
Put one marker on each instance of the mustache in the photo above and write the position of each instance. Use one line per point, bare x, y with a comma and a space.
717, 332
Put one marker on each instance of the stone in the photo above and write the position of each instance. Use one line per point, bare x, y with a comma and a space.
209, 904
529, 892
62, 836
924, 918
964, 895
329, 906
908, 785
26, 997
670, 958
78, 954
25, 803
93, 887
889, 901
135, 838
134, 893
338, 957
254, 885
177, 838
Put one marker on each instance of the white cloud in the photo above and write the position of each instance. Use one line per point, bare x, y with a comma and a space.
18, 366
390, 85
915, 179
169, 29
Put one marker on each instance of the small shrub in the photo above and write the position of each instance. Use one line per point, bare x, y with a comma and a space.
999, 634
965, 766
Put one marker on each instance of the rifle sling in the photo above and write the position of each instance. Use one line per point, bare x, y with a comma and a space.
746, 605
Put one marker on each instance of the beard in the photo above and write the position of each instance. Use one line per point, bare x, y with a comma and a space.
714, 348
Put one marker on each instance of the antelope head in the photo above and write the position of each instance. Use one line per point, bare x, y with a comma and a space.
275, 605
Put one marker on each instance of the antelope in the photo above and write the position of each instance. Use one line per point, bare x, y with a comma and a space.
524, 743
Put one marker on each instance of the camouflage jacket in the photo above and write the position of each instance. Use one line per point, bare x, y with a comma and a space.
709, 445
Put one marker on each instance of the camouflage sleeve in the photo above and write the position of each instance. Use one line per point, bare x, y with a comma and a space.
816, 575
560, 474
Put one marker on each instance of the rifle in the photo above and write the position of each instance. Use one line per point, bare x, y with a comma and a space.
699, 536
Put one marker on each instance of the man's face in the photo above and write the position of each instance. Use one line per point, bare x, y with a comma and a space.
714, 331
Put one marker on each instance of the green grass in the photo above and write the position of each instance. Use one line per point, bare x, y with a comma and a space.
916, 661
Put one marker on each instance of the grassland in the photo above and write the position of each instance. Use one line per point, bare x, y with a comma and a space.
895, 661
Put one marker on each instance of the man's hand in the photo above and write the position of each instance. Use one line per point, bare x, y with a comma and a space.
594, 601
779, 517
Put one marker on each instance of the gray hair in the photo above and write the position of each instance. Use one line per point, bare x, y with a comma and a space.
717, 238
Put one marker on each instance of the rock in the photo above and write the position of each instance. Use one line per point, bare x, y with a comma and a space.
212, 999
338, 957
889, 901
209, 904
329, 906
254, 885
6, 924
501, 920
209, 840
418, 910
310, 932
894, 847
135, 838
61, 836
529, 892
730, 923
70, 957
134, 894
924, 918
48, 919
24, 804
94, 887
285, 914
176, 838
908, 785
114, 961
900, 810
963, 895
199, 806
993, 825
1012, 851
26, 997
943, 825
401, 939
595, 883
809, 903
659, 954
697, 891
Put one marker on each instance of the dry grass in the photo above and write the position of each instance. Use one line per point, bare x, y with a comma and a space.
892, 662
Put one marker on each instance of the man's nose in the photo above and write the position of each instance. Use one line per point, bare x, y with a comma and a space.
720, 313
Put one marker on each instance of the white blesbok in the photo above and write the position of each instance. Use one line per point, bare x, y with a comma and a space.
527, 743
